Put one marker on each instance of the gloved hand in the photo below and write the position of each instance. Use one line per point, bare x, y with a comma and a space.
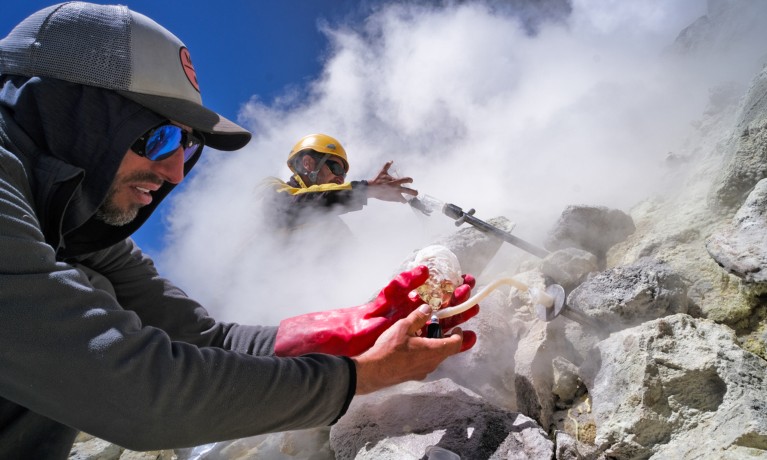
351, 331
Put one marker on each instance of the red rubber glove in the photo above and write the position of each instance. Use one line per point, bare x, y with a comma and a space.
351, 331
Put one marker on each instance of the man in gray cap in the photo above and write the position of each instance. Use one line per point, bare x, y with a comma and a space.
100, 117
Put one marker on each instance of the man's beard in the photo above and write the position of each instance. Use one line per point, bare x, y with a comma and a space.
110, 213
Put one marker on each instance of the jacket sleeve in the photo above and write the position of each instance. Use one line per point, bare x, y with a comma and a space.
72, 352
133, 280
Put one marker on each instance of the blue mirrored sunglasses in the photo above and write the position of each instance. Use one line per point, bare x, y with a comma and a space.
163, 141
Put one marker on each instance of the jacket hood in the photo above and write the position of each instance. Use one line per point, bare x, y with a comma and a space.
73, 138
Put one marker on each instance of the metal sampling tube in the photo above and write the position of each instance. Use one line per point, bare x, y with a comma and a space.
460, 217
554, 296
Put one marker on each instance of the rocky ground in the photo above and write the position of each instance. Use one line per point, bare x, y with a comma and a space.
660, 352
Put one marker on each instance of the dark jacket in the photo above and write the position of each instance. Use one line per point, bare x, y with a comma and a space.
292, 205
91, 337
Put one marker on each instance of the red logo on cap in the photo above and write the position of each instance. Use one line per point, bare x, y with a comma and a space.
186, 64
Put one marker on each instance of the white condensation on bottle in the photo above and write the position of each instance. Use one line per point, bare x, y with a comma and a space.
444, 275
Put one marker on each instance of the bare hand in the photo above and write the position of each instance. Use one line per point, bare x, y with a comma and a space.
400, 354
388, 188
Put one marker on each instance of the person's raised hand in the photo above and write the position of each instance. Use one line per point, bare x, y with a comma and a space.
386, 187
400, 354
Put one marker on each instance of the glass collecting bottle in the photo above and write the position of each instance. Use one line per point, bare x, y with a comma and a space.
444, 275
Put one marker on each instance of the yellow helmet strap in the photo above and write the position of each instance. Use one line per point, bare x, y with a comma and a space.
300, 181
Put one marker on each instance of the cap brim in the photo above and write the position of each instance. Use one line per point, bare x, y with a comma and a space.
219, 132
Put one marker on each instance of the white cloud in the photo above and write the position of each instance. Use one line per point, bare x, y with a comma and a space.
476, 111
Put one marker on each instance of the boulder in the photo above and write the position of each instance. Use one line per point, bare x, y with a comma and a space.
680, 387
475, 248
741, 247
405, 421
569, 267
592, 228
629, 295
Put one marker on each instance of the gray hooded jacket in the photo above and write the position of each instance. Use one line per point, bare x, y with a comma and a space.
91, 337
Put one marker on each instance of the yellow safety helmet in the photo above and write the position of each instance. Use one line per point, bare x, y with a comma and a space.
320, 143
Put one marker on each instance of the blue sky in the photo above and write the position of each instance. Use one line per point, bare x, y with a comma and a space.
241, 49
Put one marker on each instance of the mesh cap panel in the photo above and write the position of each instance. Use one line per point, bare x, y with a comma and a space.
53, 45
108, 60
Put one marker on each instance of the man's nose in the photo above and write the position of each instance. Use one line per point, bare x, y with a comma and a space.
171, 169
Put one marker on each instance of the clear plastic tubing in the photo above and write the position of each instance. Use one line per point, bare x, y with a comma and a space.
539, 297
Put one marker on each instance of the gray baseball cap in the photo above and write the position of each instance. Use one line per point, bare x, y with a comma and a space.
112, 47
